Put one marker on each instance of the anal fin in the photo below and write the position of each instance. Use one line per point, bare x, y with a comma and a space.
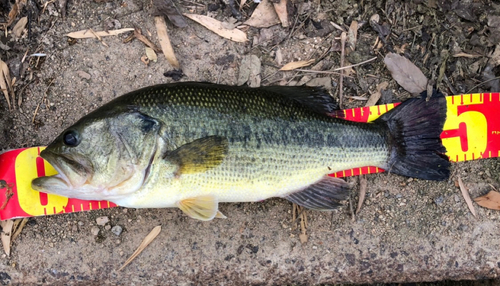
323, 195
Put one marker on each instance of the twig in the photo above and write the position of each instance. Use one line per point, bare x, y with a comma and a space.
466, 196
139, 36
481, 83
354, 65
343, 38
43, 98
337, 26
98, 37
321, 72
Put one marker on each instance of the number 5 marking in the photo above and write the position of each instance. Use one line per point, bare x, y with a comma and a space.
465, 134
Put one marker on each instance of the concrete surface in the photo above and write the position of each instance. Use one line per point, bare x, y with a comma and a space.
408, 230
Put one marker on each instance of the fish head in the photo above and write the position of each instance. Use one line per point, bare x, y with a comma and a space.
101, 157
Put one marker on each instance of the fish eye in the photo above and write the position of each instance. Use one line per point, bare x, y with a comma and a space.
71, 138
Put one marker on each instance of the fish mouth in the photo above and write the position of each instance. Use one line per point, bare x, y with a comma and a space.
72, 174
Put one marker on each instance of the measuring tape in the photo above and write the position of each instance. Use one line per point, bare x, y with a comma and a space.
471, 131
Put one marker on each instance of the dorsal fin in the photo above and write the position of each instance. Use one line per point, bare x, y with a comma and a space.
315, 98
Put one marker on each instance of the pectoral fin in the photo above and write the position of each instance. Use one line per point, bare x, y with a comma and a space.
323, 195
203, 207
200, 155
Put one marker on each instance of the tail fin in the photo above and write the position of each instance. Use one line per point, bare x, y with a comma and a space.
415, 127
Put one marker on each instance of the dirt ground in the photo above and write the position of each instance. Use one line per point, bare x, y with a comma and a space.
409, 230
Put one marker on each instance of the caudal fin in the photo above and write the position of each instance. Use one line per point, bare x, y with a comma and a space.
415, 127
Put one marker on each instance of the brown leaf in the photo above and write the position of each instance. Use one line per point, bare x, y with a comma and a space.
250, 71
281, 9
466, 196
150, 53
362, 192
83, 34
5, 83
166, 46
465, 55
409, 76
167, 8
216, 26
263, 16
295, 65
13, 14
376, 96
6, 234
19, 27
490, 201
147, 240
352, 35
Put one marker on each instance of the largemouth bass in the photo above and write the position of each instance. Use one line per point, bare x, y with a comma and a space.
193, 145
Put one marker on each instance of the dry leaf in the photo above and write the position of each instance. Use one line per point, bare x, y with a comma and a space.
295, 65
19, 27
5, 83
352, 35
282, 11
166, 46
250, 71
84, 34
495, 56
465, 55
13, 14
147, 240
217, 27
21, 223
263, 16
376, 96
409, 76
466, 196
6, 234
150, 53
490, 201
362, 192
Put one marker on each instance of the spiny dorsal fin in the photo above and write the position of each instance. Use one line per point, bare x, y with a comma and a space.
200, 155
315, 98
323, 195
203, 207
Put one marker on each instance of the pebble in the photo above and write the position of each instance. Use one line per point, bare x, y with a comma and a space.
107, 227
102, 220
439, 200
83, 75
117, 230
95, 230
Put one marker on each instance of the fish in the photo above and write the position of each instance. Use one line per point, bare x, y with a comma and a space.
194, 145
